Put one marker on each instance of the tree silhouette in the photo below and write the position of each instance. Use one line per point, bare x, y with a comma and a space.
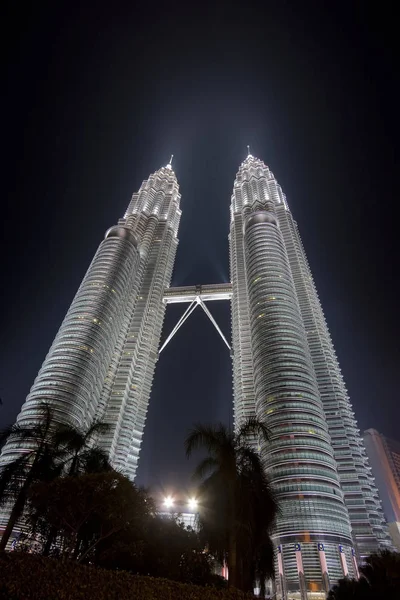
39, 462
87, 509
238, 507
79, 456
380, 578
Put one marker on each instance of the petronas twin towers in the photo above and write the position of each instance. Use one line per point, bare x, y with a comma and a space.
285, 371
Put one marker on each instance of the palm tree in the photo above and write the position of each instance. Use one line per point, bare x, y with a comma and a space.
351, 589
53, 449
382, 571
37, 463
238, 505
80, 457
380, 578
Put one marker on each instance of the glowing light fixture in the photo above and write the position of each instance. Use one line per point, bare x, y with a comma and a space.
168, 502
193, 503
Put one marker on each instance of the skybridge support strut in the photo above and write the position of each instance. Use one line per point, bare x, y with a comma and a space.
213, 321
192, 306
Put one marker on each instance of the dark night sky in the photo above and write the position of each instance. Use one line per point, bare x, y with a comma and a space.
98, 96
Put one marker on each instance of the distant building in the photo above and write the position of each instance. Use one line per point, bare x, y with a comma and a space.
394, 530
183, 512
184, 518
384, 458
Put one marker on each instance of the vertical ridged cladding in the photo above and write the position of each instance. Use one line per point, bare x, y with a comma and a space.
71, 377
154, 216
360, 492
251, 184
243, 380
272, 363
287, 396
102, 361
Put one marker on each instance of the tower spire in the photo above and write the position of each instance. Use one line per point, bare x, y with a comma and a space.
169, 165
248, 151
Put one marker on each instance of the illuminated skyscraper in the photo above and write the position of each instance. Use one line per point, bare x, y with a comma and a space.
101, 363
285, 371
287, 374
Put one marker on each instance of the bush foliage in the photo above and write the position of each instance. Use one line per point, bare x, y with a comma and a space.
33, 577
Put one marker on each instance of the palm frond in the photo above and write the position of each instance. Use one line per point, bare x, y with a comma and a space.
73, 439
204, 467
45, 421
37, 429
12, 476
98, 427
252, 428
206, 436
95, 460
248, 458
17, 431
49, 464
69, 437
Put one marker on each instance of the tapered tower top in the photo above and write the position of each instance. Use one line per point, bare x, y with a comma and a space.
251, 161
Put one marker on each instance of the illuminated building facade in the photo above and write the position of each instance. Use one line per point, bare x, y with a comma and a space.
287, 374
101, 363
182, 511
285, 371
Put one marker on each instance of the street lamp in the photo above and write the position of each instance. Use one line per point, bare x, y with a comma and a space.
168, 502
193, 504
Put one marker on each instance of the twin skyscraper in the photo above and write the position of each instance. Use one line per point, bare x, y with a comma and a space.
285, 371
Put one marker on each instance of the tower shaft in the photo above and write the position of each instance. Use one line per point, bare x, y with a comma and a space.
154, 215
286, 373
360, 492
71, 377
101, 363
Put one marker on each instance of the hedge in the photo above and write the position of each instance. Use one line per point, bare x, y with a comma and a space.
32, 577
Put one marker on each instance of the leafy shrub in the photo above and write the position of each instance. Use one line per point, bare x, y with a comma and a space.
102, 519
32, 577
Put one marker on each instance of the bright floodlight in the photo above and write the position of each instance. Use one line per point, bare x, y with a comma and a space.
193, 503
168, 502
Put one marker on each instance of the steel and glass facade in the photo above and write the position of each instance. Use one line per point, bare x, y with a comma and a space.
286, 373
153, 214
101, 363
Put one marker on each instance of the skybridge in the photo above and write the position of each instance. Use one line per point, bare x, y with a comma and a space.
215, 291
196, 295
